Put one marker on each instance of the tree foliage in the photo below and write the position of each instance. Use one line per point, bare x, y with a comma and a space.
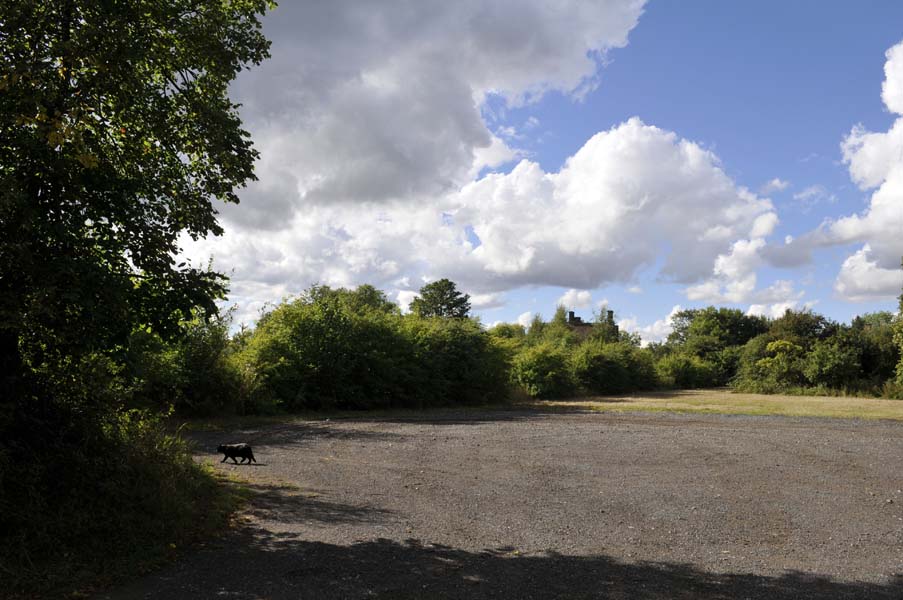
833, 363
191, 373
702, 331
802, 327
542, 371
612, 368
352, 349
898, 338
116, 137
441, 299
684, 370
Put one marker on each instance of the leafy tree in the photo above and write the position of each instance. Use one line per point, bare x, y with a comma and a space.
368, 298
706, 330
191, 373
537, 329
441, 299
874, 335
116, 135
834, 362
684, 370
508, 331
542, 371
556, 332
322, 351
363, 299
561, 315
802, 327
714, 335
898, 338
612, 368
456, 361
784, 363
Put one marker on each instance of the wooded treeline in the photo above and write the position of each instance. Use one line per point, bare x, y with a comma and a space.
355, 350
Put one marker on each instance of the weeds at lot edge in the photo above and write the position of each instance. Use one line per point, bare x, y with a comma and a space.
726, 402
149, 510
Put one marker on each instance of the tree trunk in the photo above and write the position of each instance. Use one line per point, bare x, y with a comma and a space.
11, 368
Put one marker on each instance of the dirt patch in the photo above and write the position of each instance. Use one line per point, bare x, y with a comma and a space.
537, 505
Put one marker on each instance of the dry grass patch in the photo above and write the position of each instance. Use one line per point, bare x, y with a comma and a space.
727, 402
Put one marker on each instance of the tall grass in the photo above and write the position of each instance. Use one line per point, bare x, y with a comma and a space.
95, 504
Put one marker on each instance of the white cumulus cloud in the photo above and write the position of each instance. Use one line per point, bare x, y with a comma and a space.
361, 102
525, 319
892, 89
373, 124
575, 299
618, 204
655, 332
775, 185
861, 278
875, 162
486, 301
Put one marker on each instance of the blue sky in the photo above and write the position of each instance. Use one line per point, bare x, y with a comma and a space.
402, 145
770, 87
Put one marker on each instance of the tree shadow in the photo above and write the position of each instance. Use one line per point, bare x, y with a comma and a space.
284, 435
290, 504
253, 563
521, 411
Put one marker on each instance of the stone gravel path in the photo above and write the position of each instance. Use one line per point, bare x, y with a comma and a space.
537, 505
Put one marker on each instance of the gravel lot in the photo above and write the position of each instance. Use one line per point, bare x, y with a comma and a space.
540, 505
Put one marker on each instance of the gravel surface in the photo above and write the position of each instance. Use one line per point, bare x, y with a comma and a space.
540, 505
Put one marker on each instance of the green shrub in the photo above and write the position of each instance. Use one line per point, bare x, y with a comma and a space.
768, 366
508, 331
898, 340
682, 370
832, 364
324, 351
874, 335
317, 355
543, 371
726, 363
192, 373
455, 362
89, 497
613, 368
783, 363
892, 390
802, 328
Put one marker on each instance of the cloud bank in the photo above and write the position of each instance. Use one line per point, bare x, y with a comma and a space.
376, 127
875, 162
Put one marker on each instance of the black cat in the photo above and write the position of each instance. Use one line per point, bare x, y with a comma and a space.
242, 451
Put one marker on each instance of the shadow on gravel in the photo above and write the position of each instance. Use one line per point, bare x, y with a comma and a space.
464, 416
256, 564
283, 435
302, 433
289, 504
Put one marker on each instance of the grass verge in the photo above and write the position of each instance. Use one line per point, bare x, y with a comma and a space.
726, 402
128, 516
